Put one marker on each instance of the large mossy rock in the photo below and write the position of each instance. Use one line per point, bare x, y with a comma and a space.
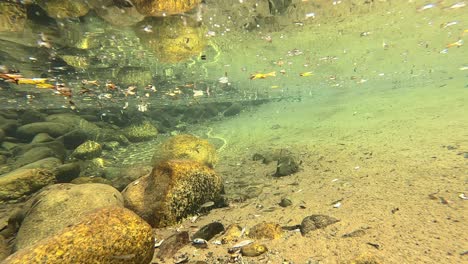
174, 190
22, 182
143, 132
186, 147
54, 129
60, 205
108, 235
164, 7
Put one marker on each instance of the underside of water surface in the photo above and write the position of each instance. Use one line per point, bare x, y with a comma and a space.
356, 110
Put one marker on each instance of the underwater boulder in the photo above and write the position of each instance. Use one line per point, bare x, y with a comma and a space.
27, 132
164, 7
60, 205
142, 132
12, 17
41, 138
188, 147
108, 235
49, 163
35, 154
19, 183
88, 150
173, 190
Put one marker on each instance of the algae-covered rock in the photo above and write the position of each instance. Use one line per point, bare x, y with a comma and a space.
61, 205
266, 230
88, 150
86, 129
41, 138
12, 17
189, 147
174, 190
22, 182
53, 129
172, 40
108, 235
142, 132
64, 8
164, 7
34, 155
232, 234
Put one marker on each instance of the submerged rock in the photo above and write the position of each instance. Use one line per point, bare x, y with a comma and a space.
143, 132
208, 231
61, 205
64, 8
28, 131
253, 250
12, 17
232, 234
286, 165
172, 244
314, 222
34, 155
266, 230
186, 147
22, 182
41, 138
173, 190
88, 150
108, 235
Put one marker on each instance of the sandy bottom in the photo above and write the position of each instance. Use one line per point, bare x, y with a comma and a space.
393, 157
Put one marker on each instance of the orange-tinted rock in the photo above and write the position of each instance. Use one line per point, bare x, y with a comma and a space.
174, 190
108, 235
186, 147
266, 230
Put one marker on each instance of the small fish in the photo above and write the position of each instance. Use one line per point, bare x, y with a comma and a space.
86, 82
305, 74
148, 29
207, 204
197, 93
458, 43
448, 24
458, 5
274, 86
45, 86
31, 80
425, 7
262, 75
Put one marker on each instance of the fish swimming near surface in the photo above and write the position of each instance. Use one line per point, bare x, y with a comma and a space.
305, 74
262, 75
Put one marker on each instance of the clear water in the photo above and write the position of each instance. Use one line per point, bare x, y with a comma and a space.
370, 95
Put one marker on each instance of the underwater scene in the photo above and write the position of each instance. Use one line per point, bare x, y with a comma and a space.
233, 131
